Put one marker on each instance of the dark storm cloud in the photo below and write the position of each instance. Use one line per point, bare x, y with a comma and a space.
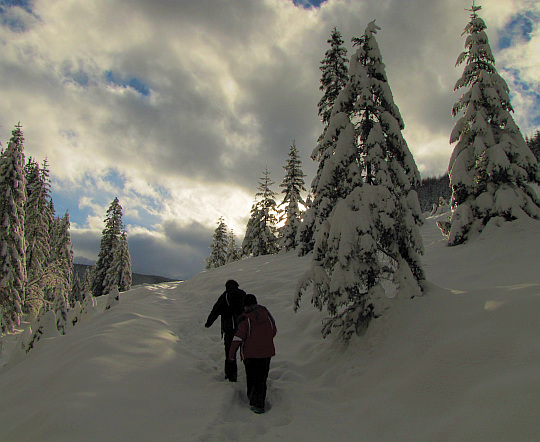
156, 255
189, 101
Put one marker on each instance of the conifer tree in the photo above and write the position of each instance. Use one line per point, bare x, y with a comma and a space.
77, 294
219, 247
119, 273
125, 276
113, 298
534, 144
261, 238
37, 233
87, 283
62, 254
334, 77
293, 184
109, 246
251, 245
61, 270
234, 253
491, 167
367, 244
12, 238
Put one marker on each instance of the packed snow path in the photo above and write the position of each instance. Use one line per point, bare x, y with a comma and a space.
460, 363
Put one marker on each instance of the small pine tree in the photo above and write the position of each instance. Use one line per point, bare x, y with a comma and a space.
76, 290
87, 283
293, 184
234, 253
219, 247
491, 167
261, 238
12, 238
113, 298
88, 305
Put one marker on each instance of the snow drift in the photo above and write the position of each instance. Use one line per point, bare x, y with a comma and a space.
460, 363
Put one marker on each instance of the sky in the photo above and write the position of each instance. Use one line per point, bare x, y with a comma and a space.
460, 363
177, 107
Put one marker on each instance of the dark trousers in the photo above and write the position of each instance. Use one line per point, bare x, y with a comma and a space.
256, 376
231, 369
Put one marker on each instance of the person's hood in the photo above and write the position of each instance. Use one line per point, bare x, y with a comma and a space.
256, 313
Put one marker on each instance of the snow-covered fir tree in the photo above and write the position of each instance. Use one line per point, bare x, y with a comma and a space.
113, 298
61, 270
234, 252
12, 238
88, 305
110, 238
37, 234
491, 167
87, 281
367, 245
334, 77
220, 246
119, 273
261, 231
77, 294
62, 253
534, 144
293, 184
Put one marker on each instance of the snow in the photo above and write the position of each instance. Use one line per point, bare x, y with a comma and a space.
461, 362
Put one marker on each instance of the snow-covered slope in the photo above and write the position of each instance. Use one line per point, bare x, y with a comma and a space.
460, 363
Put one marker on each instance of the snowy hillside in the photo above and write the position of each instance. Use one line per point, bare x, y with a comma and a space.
460, 363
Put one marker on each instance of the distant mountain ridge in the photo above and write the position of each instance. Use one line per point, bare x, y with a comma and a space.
137, 278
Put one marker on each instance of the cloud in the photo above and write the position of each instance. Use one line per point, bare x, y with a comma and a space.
177, 107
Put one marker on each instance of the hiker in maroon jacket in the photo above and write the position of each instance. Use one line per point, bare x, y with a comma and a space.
255, 337
229, 306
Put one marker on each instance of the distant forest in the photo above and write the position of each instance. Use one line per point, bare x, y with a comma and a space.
431, 190
137, 279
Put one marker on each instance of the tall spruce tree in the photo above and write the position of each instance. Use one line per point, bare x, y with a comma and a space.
37, 234
219, 247
491, 167
110, 239
368, 243
293, 184
334, 77
260, 237
61, 270
12, 238
62, 254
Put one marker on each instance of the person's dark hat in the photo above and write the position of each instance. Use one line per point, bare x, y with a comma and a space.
250, 300
231, 284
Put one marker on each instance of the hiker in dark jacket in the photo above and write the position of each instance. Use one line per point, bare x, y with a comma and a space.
255, 337
229, 306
